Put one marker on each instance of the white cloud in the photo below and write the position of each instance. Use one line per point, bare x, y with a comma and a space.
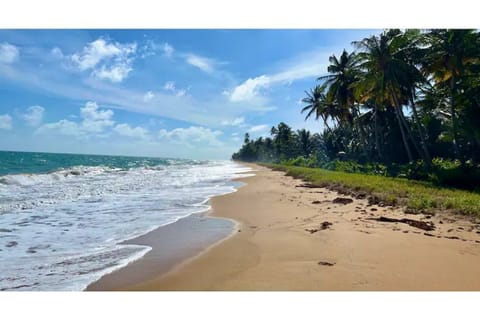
95, 120
5, 122
108, 60
151, 48
240, 121
63, 127
169, 86
98, 50
8, 53
192, 135
258, 128
115, 73
181, 93
57, 53
148, 96
249, 89
297, 72
126, 130
168, 50
203, 112
90, 112
204, 64
34, 116
301, 67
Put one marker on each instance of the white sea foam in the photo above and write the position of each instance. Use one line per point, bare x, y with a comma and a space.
60, 231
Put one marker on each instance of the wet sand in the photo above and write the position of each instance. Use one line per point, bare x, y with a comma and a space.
291, 237
171, 245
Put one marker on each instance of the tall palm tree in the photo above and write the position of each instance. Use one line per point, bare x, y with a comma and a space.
283, 140
341, 79
342, 75
450, 54
317, 104
305, 141
386, 77
411, 52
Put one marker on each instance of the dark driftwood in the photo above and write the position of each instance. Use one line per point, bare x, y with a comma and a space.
307, 185
326, 263
320, 201
427, 226
323, 226
452, 237
342, 200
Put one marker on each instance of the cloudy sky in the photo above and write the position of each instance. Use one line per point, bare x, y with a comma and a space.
167, 93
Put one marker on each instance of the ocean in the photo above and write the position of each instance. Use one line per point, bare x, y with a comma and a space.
63, 216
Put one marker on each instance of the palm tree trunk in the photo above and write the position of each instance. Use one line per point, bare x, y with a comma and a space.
456, 149
423, 140
404, 138
409, 132
377, 140
425, 155
400, 124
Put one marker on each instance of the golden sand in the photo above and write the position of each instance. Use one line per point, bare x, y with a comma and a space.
295, 238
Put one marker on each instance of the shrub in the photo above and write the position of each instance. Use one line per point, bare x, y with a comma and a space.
452, 173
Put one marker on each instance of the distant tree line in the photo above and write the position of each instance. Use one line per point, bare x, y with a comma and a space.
283, 144
408, 98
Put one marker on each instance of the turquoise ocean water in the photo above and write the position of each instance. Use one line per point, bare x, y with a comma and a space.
62, 216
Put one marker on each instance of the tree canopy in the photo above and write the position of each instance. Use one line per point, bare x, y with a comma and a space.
406, 97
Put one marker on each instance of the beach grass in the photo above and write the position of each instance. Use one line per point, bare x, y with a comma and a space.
415, 196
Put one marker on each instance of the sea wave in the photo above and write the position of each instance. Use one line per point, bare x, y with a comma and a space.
26, 179
64, 227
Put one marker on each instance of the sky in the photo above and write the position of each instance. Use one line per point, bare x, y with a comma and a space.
163, 93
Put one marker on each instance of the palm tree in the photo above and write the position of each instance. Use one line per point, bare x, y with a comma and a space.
385, 78
283, 140
449, 57
341, 80
342, 75
305, 141
317, 105
412, 53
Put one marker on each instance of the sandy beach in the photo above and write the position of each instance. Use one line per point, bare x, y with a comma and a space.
288, 236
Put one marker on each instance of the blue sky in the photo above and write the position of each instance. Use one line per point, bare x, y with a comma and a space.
168, 93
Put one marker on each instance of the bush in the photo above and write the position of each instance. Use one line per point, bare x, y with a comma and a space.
452, 173
355, 167
298, 162
443, 172
310, 162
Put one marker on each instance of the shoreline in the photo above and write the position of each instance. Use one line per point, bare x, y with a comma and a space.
296, 238
199, 231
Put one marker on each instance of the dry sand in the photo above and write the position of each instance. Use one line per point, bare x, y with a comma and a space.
280, 244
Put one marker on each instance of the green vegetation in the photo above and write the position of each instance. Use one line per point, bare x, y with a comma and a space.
402, 104
416, 196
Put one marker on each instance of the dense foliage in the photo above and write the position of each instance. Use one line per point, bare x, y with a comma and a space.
402, 103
